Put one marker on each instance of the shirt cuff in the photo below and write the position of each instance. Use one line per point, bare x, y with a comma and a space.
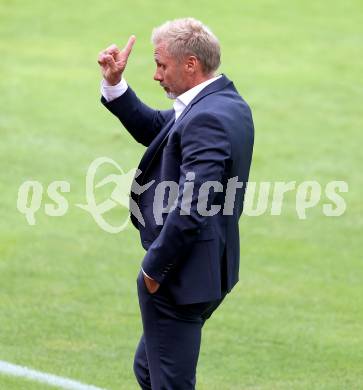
112, 92
146, 274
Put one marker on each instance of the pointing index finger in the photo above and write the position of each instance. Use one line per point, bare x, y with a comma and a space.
127, 49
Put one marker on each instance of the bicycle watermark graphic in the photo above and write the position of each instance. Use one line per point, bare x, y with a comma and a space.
169, 196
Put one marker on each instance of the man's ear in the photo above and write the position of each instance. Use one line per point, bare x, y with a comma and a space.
191, 64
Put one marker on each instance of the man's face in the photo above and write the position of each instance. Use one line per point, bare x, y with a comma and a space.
170, 72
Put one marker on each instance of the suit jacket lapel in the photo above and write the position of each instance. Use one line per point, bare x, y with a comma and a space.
211, 88
161, 138
154, 146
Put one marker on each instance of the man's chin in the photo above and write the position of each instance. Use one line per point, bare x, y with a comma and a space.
171, 95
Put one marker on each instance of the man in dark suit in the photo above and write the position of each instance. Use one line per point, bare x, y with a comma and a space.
198, 158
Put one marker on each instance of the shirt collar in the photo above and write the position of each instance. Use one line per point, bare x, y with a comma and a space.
185, 98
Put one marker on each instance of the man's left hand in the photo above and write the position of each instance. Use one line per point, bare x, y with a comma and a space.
151, 284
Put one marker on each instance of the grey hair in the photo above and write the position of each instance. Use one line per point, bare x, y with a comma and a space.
189, 36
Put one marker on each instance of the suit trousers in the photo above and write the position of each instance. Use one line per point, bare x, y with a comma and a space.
167, 354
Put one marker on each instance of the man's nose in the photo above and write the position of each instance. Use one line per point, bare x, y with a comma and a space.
157, 76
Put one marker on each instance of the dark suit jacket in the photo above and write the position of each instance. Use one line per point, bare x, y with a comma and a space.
196, 257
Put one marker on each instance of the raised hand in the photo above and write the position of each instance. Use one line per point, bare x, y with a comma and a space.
113, 61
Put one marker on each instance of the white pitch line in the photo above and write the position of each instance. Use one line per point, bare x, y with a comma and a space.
49, 379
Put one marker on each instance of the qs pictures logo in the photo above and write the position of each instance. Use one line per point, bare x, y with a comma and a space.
30, 196
105, 197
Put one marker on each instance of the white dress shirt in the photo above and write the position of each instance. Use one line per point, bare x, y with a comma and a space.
112, 92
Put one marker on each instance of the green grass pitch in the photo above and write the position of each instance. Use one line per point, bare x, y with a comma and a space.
68, 303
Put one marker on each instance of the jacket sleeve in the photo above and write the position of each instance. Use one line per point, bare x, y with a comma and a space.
205, 149
141, 121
